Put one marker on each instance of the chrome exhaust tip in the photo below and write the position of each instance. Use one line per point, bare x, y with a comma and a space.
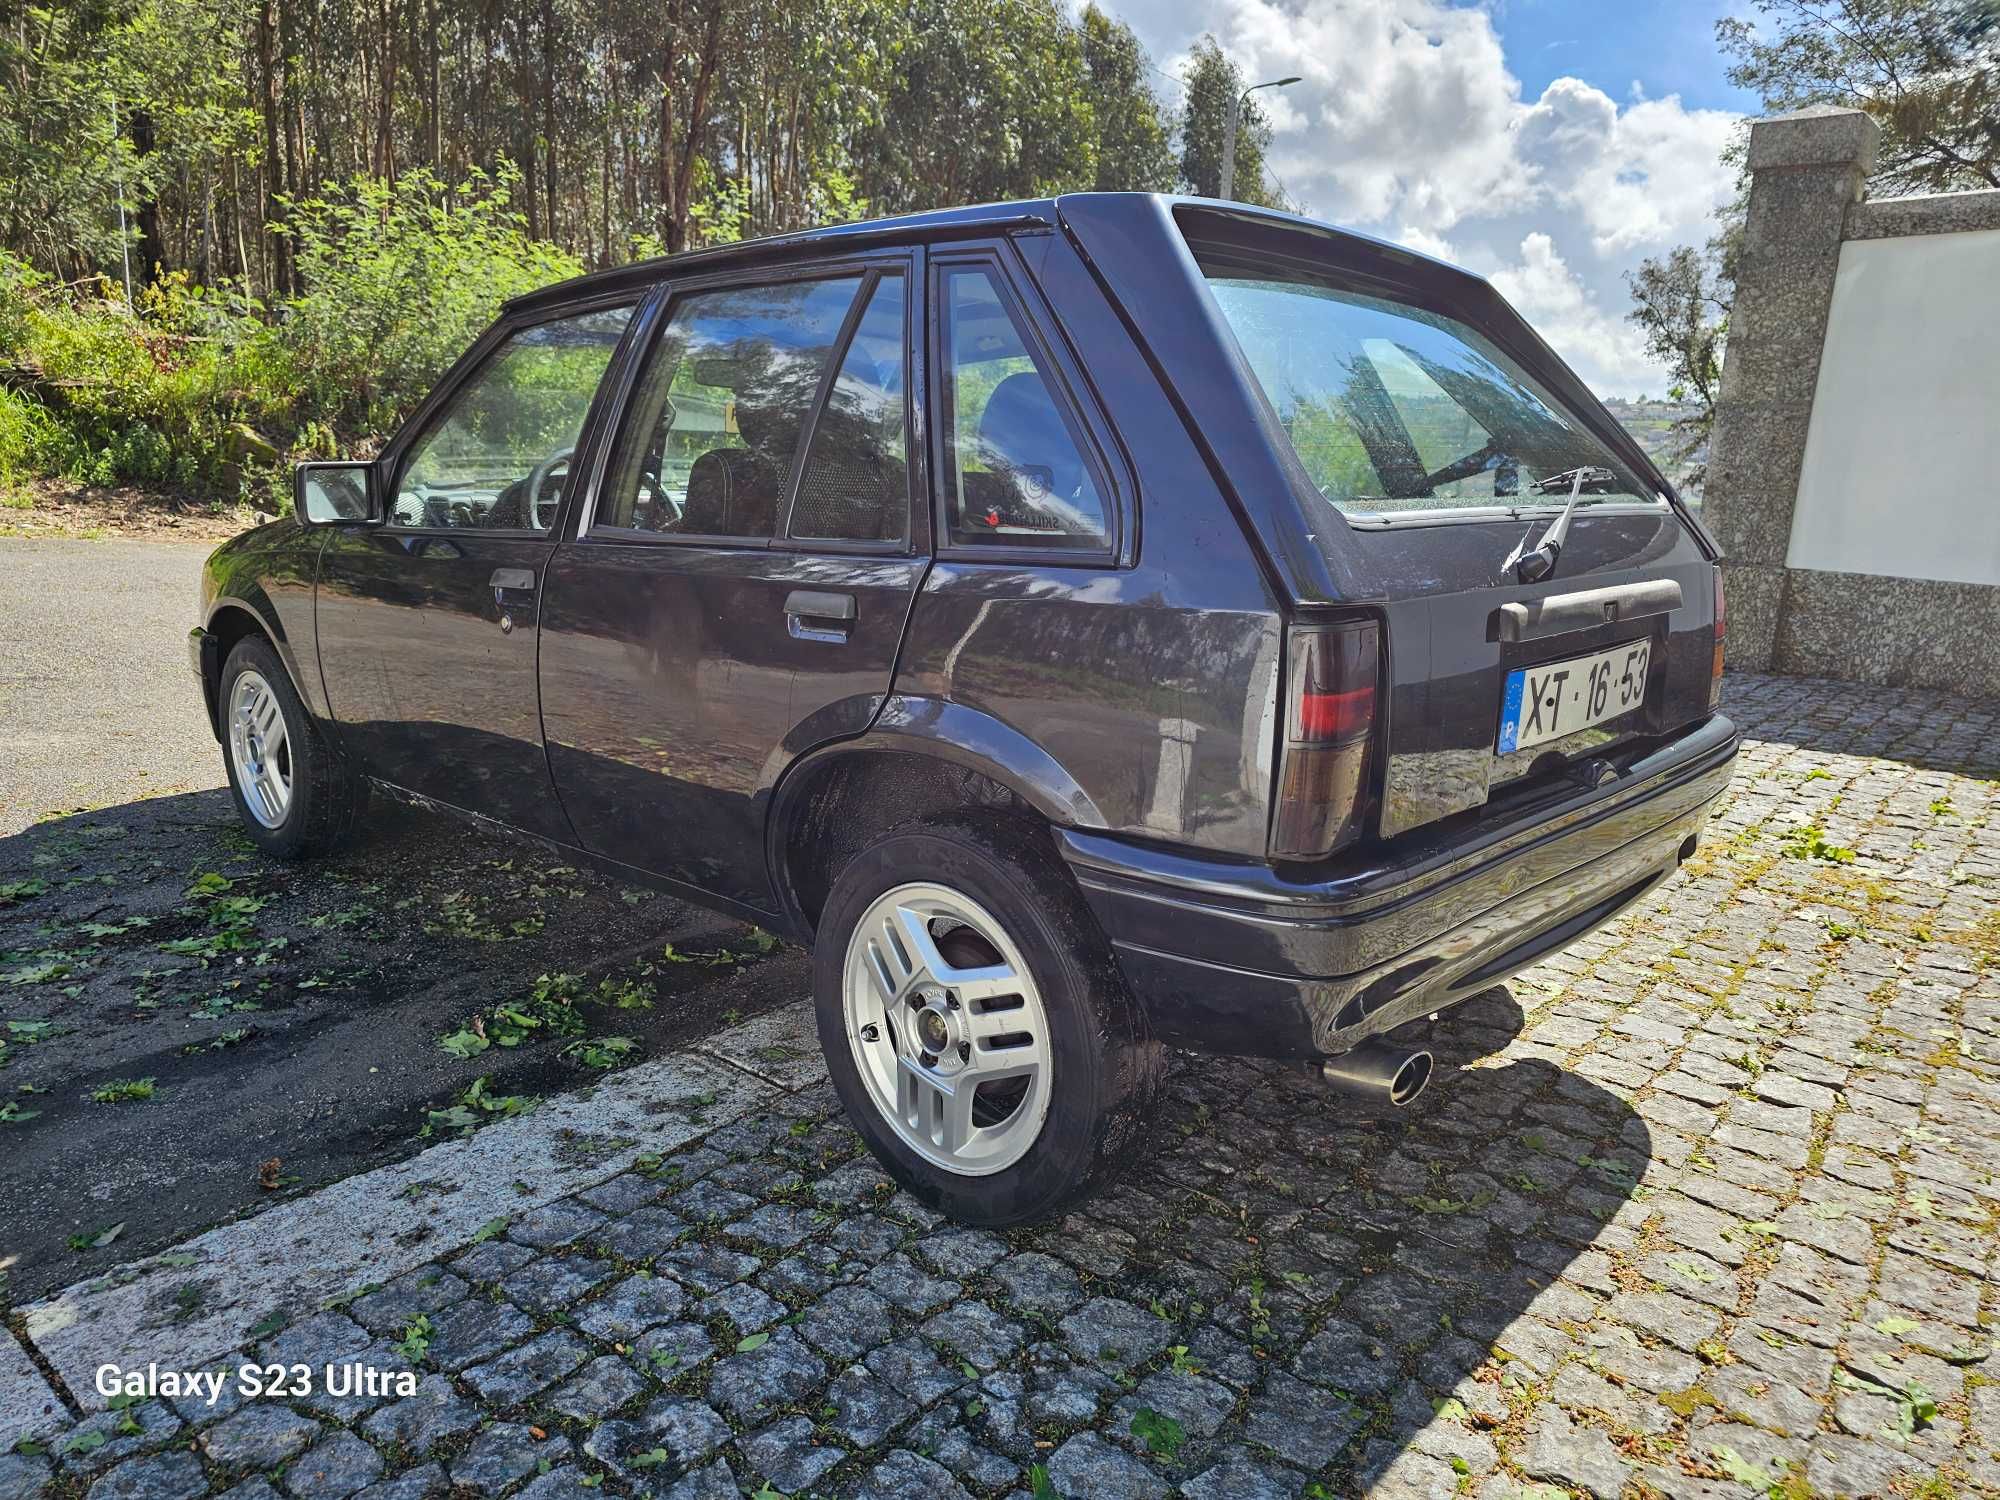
1378, 1070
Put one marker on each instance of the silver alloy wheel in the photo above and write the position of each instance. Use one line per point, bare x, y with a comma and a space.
955, 1056
260, 749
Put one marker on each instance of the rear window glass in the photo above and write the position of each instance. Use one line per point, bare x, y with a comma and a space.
1392, 408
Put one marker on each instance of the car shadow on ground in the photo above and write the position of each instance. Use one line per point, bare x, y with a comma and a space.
177, 1010
1363, 1292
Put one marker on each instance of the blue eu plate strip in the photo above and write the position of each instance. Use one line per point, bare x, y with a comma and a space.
1510, 711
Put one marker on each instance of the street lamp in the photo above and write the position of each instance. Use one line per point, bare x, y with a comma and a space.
1229, 134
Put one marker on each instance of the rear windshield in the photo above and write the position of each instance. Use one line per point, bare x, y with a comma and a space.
1394, 409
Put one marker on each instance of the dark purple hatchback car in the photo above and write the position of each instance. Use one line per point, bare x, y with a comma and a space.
1095, 625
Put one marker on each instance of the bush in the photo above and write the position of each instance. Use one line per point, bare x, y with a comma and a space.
397, 282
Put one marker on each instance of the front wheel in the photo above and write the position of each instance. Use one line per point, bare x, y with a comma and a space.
293, 797
975, 1023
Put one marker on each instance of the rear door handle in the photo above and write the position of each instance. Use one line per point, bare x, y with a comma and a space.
513, 578
814, 616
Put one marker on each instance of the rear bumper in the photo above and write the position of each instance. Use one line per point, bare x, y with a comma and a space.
1238, 957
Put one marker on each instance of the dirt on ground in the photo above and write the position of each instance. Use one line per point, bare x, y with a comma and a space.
190, 1031
62, 507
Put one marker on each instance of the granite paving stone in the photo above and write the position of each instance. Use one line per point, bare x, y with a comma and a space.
333, 1468
260, 1436
416, 1424
504, 1453
1712, 1179
528, 1368
162, 1476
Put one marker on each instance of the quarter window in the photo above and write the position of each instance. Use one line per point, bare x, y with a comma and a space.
499, 455
855, 484
708, 446
1014, 472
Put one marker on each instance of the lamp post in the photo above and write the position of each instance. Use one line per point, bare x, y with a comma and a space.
1229, 133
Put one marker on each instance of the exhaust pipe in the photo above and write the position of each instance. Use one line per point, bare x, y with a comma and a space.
1378, 1070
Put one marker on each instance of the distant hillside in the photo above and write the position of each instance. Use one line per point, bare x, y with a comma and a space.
1651, 422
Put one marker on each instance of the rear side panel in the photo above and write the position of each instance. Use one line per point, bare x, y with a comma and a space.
1152, 680
1437, 571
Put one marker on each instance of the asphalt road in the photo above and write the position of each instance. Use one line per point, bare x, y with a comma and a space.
96, 704
288, 1014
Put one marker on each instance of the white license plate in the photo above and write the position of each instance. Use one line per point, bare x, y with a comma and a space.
1561, 697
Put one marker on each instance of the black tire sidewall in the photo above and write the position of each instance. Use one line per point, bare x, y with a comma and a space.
295, 836
1089, 1017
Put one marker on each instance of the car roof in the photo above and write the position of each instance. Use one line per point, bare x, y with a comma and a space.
937, 224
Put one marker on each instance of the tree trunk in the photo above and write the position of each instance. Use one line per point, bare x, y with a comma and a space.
549, 176
152, 256
280, 280
711, 51
385, 120
670, 217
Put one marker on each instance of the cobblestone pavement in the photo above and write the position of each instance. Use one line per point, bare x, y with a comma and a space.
1709, 1211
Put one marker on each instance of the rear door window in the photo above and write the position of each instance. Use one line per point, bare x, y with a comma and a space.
1015, 472
715, 424
855, 485
1393, 408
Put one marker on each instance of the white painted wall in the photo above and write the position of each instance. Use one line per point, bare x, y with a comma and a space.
1902, 465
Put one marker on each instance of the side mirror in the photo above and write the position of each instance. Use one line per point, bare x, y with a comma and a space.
335, 494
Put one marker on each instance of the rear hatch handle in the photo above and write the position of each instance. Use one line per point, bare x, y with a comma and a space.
1558, 614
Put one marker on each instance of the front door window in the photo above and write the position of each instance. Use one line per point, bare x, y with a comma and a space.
497, 457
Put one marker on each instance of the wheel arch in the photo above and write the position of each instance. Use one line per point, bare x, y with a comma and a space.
231, 619
922, 759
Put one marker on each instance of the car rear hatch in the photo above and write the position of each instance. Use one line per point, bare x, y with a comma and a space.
1429, 444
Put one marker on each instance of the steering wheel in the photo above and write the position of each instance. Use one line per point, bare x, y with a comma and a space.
662, 513
542, 510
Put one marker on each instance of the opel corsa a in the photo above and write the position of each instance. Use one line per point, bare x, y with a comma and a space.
1093, 625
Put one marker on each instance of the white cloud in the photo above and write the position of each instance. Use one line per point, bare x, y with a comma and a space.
1409, 123
1424, 241
1544, 290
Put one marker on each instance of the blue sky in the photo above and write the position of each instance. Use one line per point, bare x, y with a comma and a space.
1549, 145
1666, 46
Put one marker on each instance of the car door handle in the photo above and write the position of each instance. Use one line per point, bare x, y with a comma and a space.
830, 615
513, 578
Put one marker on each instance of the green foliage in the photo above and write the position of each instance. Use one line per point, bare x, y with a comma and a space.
988, 100
1681, 301
174, 393
1134, 149
1927, 70
1210, 81
398, 280
1160, 1433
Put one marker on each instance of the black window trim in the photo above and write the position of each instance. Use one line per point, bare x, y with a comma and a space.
868, 267
1087, 426
390, 462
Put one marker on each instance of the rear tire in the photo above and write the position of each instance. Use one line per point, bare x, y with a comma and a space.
293, 795
961, 953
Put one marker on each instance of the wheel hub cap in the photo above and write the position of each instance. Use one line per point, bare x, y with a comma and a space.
953, 1051
260, 749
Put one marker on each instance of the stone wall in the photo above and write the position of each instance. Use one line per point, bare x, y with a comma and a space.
1807, 202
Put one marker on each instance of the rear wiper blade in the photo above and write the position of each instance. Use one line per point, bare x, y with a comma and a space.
1533, 567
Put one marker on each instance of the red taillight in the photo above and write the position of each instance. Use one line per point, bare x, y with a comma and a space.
1721, 619
1332, 716
1330, 684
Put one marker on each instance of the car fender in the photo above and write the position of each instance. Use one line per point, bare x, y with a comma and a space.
255, 603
